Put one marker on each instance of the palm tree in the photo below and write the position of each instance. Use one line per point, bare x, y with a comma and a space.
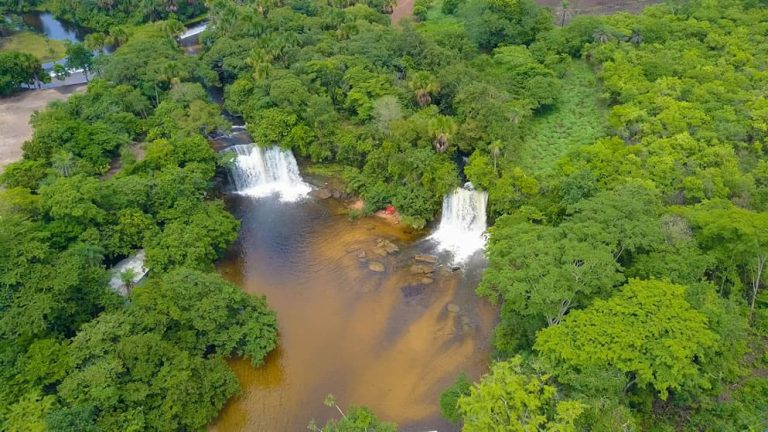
565, 7
495, 152
261, 62
63, 162
424, 85
601, 36
117, 36
96, 41
441, 128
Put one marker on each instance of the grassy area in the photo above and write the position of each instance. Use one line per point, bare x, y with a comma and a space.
41, 47
579, 118
326, 169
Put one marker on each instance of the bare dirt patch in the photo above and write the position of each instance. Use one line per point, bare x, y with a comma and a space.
596, 7
403, 9
15, 113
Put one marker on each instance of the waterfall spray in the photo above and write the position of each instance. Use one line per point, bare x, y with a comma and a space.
463, 223
262, 172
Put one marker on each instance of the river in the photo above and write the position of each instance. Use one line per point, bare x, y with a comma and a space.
385, 340
52, 27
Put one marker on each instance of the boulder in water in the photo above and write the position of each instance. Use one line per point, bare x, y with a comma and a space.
453, 308
426, 280
376, 266
430, 259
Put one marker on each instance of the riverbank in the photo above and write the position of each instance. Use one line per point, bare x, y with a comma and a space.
16, 112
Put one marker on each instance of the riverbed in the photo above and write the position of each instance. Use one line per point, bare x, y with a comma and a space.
390, 340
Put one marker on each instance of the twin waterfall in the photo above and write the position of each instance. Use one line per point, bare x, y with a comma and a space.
463, 223
261, 172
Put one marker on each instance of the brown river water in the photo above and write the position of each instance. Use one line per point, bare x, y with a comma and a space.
382, 339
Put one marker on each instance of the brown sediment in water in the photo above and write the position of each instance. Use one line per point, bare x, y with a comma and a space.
386, 340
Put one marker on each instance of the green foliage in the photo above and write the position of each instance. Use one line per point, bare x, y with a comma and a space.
17, 69
449, 399
389, 103
577, 119
85, 359
508, 399
647, 331
94, 15
498, 22
79, 57
359, 419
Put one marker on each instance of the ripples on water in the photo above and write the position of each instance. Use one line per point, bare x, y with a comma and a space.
378, 339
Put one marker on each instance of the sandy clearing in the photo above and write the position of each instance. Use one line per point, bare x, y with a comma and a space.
15, 113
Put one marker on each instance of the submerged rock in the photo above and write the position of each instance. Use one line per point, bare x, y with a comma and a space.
390, 247
412, 290
322, 193
422, 269
453, 308
376, 266
380, 251
430, 259
426, 280
387, 246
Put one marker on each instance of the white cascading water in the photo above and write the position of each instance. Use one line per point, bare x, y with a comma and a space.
261, 172
463, 223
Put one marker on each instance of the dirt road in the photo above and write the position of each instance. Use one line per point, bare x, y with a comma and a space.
15, 113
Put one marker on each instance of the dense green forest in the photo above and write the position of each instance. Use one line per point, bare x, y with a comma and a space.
627, 180
75, 355
104, 16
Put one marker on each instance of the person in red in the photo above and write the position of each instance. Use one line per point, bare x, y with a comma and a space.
390, 210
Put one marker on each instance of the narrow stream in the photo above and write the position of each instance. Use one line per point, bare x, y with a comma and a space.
391, 340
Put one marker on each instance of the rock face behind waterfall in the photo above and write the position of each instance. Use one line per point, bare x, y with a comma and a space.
463, 223
262, 172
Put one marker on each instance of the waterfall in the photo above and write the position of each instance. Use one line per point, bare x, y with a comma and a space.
262, 172
463, 223
192, 31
